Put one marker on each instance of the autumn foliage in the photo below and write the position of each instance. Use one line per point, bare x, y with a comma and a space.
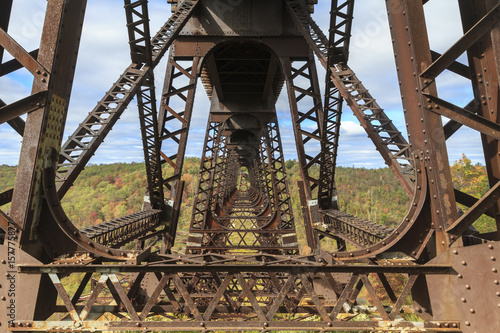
108, 191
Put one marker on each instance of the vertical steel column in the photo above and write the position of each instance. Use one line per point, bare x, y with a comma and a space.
267, 175
58, 53
260, 183
425, 128
313, 112
229, 175
327, 192
174, 121
309, 145
219, 174
282, 200
341, 16
484, 63
311, 235
201, 206
141, 53
146, 102
43, 135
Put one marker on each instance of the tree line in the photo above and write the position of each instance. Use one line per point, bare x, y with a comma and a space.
108, 191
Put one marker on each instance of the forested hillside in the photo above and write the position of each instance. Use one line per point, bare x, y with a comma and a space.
105, 192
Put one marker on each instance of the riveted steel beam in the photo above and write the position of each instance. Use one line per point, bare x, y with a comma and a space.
484, 62
82, 144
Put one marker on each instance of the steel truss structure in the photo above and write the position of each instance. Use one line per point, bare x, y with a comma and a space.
243, 268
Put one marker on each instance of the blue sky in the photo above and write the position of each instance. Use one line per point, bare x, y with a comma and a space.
104, 54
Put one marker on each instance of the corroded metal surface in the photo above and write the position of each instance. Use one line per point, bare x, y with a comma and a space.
244, 269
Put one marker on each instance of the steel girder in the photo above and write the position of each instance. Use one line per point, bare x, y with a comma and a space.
338, 47
137, 16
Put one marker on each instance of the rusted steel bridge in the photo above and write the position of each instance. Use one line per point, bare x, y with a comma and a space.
243, 269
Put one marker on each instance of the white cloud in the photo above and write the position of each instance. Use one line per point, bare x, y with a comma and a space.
104, 54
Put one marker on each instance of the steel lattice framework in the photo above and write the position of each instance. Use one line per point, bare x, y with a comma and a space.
243, 268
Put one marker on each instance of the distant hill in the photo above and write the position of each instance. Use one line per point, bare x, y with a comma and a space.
104, 192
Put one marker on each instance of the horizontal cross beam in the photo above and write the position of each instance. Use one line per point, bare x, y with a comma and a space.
236, 268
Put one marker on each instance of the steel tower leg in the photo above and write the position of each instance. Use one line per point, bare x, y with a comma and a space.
174, 121
484, 64
43, 136
308, 143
